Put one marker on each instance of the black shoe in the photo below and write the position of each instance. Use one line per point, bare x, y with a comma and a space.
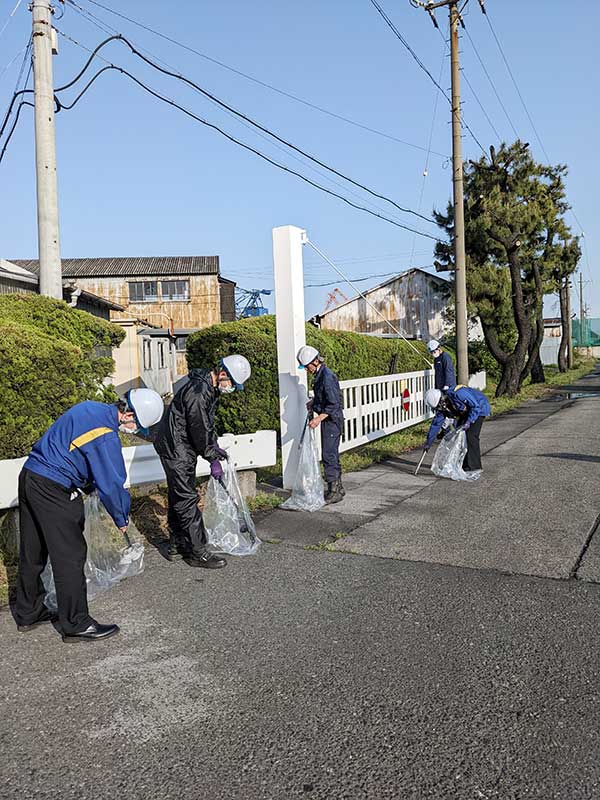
337, 493
206, 559
178, 547
328, 490
45, 617
92, 633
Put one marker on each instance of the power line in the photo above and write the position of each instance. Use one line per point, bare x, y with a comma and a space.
402, 39
228, 136
255, 80
510, 72
10, 16
492, 84
246, 118
360, 280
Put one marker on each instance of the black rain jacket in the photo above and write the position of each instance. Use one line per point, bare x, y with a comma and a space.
188, 427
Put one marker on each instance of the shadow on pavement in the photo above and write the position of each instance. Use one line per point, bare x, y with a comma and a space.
571, 457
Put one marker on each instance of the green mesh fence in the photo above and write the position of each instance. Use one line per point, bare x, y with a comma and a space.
588, 334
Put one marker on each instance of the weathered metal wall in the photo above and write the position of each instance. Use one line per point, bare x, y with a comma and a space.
15, 287
413, 303
227, 302
201, 310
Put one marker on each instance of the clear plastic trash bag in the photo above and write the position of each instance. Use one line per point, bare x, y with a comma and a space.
229, 526
307, 494
109, 558
449, 457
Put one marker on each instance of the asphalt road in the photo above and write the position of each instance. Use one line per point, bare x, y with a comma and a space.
444, 648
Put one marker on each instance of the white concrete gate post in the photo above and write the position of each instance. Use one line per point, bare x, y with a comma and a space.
289, 316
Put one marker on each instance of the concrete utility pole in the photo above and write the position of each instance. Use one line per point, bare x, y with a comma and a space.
460, 275
569, 329
581, 312
45, 152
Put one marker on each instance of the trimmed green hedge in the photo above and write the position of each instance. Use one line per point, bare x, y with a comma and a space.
350, 355
48, 362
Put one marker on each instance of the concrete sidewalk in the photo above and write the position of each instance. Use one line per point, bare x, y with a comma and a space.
416, 671
532, 512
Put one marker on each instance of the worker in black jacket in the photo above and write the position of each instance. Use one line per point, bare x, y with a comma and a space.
186, 432
445, 377
328, 413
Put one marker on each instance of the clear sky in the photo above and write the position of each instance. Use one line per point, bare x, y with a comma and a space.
137, 177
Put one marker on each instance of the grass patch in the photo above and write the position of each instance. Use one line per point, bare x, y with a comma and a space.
327, 544
264, 501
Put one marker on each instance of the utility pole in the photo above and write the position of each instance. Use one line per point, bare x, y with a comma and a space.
582, 335
45, 151
460, 275
570, 327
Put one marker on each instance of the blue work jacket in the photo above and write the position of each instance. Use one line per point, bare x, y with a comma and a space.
467, 405
81, 448
328, 395
445, 377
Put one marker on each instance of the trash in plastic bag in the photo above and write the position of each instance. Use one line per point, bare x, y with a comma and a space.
449, 457
307, 494
229, 526
109, 558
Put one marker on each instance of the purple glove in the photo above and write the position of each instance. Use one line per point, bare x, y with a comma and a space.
466, 426
216, 470
221, 454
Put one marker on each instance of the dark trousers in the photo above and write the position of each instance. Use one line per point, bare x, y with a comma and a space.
51, 524
183, 515
473, 458
331, 432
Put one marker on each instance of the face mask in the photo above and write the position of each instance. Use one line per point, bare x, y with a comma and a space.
226, 389
125, 429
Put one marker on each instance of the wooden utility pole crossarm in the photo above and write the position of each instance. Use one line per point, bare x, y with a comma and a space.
45, 152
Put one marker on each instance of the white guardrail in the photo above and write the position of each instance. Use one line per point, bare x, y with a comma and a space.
376, 407
247, 451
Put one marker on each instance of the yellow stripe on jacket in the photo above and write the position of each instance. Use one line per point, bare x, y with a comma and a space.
89, 436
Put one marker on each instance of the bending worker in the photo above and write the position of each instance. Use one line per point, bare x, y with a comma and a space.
327, 406
188, 431
445, 377
79, 451
468, 407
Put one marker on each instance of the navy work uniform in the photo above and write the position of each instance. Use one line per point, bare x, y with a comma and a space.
80, 449
445, 377
328, 400
469, 407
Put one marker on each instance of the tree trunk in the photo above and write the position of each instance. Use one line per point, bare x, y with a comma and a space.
563, 355
537, 370
510, 381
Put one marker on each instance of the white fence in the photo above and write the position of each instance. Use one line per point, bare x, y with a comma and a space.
376, 407
247, 451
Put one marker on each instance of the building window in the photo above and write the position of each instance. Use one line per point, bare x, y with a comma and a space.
161, 355
175, 290
143, 291
147, 353
180, 343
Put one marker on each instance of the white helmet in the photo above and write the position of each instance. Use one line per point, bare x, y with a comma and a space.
433, 397
147, 406
238, 369
306, 354
433, 345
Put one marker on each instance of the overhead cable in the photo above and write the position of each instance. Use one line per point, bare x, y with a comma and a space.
259, 82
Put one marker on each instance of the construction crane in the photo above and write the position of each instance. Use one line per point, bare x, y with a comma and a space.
249, 304
334, 299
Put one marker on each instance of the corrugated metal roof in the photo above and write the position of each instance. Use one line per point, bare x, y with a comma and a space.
131, 266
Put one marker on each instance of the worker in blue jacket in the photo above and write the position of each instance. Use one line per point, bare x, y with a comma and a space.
80, 451
468, 408
328, 413
445, 377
